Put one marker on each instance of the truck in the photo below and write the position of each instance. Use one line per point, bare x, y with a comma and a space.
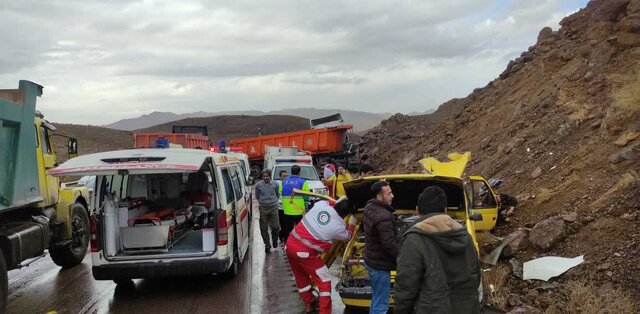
187, 136
321, 143
36, 213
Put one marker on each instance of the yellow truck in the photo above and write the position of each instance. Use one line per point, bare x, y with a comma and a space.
36, 213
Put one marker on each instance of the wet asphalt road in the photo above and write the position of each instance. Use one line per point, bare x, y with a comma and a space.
44, 287
264, 285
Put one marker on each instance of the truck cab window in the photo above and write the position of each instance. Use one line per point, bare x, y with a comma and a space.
44, 140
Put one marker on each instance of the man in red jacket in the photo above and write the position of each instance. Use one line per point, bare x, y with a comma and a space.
308, 240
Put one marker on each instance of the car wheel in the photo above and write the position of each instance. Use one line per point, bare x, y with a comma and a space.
73, 253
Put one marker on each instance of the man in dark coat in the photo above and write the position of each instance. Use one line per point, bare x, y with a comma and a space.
381, 245
438, 267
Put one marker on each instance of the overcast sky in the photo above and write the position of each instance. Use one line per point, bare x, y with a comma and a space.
101, 61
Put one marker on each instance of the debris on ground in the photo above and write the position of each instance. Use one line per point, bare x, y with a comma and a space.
545, 268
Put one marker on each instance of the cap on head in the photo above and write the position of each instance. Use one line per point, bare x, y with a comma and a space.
433, 199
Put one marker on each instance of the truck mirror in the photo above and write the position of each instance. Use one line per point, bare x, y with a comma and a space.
250, 181
72, 147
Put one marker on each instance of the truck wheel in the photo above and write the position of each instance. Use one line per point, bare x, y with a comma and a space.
73, 253
256, 171
4, 283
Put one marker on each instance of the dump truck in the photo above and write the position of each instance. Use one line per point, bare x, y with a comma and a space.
36, 213
187, 136
325, 139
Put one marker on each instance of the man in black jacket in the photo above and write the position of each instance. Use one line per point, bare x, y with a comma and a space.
438, 267
381, 245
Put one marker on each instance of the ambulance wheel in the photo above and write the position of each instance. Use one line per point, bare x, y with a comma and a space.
4, 283
235, 264
73, 253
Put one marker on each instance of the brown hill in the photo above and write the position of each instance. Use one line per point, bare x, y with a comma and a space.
560, 125
93, 139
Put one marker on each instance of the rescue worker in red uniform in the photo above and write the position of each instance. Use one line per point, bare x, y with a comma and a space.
309, 239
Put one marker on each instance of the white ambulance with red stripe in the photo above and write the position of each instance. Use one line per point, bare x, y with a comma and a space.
165, 212
278, 159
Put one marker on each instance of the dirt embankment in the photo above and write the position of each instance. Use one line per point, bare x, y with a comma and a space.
561, 126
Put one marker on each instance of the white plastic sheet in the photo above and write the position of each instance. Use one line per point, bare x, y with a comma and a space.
545, 268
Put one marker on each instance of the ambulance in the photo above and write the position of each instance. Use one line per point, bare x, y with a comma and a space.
165, 212
278, 159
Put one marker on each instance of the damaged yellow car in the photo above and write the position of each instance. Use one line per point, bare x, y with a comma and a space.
471, 201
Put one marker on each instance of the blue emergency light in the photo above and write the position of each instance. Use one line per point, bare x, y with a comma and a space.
222, 146
162, 143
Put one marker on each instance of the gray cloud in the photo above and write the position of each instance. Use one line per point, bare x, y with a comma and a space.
125, 58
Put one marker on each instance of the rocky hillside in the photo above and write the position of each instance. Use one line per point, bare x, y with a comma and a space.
560, 125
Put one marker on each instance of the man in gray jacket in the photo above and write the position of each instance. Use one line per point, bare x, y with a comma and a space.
438, 268
267, 195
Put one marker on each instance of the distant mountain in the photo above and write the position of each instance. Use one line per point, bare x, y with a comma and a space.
360, 120
416, 113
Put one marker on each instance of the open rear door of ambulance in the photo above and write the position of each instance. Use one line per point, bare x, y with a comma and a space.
134, 161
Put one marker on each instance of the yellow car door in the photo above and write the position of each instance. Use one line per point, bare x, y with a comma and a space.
483, 201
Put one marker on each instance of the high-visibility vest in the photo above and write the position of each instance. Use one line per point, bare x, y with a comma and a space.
286, 190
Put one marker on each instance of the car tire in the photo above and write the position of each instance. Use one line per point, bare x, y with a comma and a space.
73, 254
4, 283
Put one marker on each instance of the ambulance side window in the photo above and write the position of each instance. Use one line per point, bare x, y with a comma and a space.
105, 188
236, 185
228, 187
119, 186
243, 172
